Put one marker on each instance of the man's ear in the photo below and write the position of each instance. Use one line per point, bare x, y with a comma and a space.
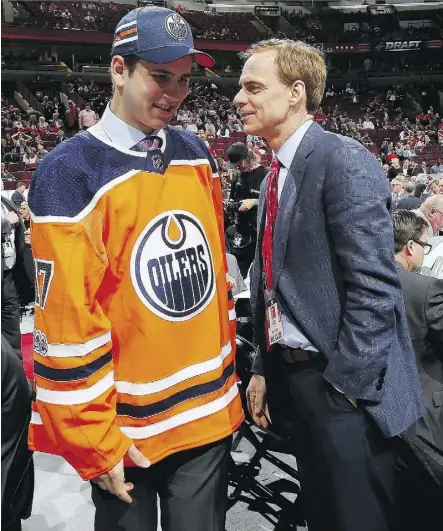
117, 71
298, 92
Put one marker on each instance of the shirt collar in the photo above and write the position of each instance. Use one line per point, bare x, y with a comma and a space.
286, 153
121, 133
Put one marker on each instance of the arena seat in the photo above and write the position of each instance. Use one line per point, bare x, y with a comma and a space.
22, 176
16, 167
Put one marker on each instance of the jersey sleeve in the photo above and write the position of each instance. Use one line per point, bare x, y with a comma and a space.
75, 393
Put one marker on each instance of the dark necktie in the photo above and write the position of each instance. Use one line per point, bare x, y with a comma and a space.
149, 143
152, 145
271, 216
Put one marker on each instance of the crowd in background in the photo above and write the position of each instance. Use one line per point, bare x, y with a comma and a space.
377, 119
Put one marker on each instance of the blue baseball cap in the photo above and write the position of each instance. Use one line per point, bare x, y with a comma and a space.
157, 35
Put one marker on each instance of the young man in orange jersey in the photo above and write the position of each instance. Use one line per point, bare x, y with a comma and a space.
134, 340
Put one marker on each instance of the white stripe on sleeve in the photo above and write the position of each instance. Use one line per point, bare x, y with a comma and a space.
79, 396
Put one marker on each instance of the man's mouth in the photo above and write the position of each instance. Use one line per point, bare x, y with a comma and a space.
164, 108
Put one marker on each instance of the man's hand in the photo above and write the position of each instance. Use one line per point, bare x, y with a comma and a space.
114, 480
12, 218
231, 281
247, 204
256, 400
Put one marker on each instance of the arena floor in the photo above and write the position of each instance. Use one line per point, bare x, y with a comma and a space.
62, 500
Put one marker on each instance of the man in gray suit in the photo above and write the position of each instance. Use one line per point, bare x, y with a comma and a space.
422, 498
335, 361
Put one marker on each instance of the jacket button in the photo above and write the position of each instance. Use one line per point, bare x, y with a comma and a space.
379, 387
383, 372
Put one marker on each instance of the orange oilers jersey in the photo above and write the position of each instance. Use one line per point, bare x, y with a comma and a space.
134, 326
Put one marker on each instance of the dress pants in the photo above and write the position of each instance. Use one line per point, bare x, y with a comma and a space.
192, 486
346, 465
11, 312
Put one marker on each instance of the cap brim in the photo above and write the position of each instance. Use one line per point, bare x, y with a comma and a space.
233, 165
168, 54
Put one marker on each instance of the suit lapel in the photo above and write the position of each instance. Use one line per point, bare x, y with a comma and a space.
289, 198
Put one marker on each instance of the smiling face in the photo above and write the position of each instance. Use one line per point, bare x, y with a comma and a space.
148, 97
265, 102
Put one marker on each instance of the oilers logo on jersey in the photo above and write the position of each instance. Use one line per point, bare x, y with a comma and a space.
171, 266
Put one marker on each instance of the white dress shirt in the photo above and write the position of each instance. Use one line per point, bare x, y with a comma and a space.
113, 131
292, 336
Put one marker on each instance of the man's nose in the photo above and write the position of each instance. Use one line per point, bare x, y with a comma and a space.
240, 98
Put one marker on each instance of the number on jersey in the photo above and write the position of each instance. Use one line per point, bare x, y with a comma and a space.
44, 271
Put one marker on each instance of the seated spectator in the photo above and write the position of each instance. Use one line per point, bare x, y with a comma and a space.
42, 125
6, 174
437, 167
431, 189
30, 157
408, 201
367, 124
423, 297
223, 131
41, 152
431, 210
60, 137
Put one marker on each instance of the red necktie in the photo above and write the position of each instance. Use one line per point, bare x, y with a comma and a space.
271, 216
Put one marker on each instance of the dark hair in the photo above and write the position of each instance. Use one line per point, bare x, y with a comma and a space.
407, 226
131, 61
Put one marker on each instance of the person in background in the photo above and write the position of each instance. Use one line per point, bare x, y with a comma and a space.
431, 189
71, 117
17, 273
30, 157
60, 137
409, 201
87, 118
18, 196
17, 464
245, 190
323, 270
6, 174
431, 210
437, 167
397, 190
25, 214
41, 152
422, 506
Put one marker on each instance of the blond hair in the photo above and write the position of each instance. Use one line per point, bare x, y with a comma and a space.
296, 61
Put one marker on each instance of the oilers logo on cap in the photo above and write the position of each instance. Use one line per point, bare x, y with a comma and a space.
176, 26
171, 266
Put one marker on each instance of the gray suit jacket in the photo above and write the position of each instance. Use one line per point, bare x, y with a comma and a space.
424, 311
335, 276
